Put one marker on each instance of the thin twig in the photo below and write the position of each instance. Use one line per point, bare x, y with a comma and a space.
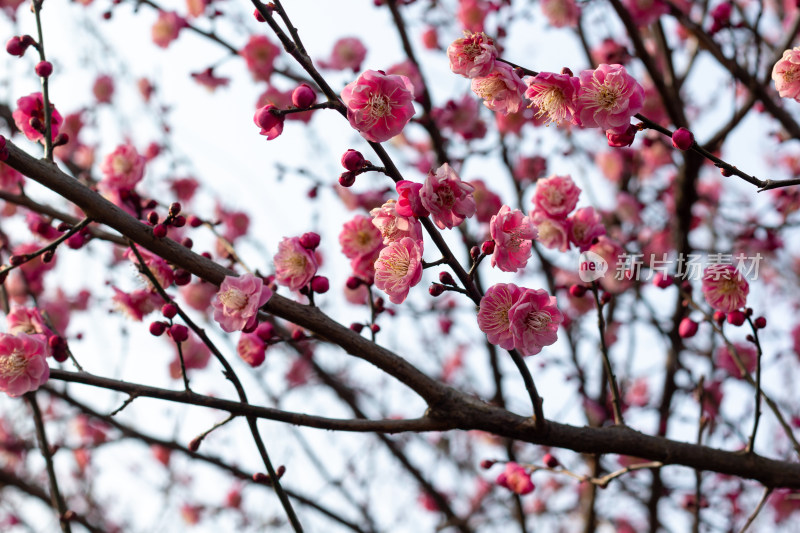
754, 514
612, 380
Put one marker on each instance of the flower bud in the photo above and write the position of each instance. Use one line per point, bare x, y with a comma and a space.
157, 328
303, 97
152, 217
174, 209
550, 461
487, 248
357, 327
347, 179
760, 322
578, 291
16, 46
310, 240
687, 328
621, 140
446, 278
736, 318
179, 332
682, 139
436, 289
320, 284
352, 160
353, 283
44, 69
169, 310
159, 231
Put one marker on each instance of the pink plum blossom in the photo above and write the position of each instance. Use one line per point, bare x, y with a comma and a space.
252, 349
235, 223
473, 55
26, 320
359, 237
645, 12
259, 54
23, 367
103, 89
379, 105
487, 202
123, 168
746, 352
347, 53
553, 233
513, 235
516, 479
31, 108
554, 95
238, 301
471, 14
394, 226
786, 74
724, 288
585, 226
271, 124
166, 28
209, 80
556, 196
196, 355
158, 266
448, 199
294, 264
501, 89
561, 13
409, 203
608, 98
493, 317
398, 268
10, 179
534, 321
462, 117
136, 304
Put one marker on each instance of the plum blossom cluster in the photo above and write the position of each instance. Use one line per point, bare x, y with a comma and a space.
514, 317
605, 97
558, 227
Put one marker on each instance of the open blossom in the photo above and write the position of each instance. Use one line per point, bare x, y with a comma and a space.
534, 321
561, 13
347, 53
379, 105
394, 226
585, 226
462, 116
553, 232
23, 367
516, 479
31, 108
136, 304
473, 55
786, 74
259, 53
487, 202
747, 354
448, 199
554, 95
27, 320
359, 237
724, 288
167, 27
472, 14
295, 265
557, 196
493, 317
103, 89
252, 349
501, 89
409, 203
398, 268
608, 98
158, 266
645, 12
123, 168
238, 301
513, 235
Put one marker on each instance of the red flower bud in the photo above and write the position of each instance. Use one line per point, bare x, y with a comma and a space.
44, 69
760, 322
446, 278
159, 231
487, 248
578, 291
352, 160
687, 328
682, 139
157, 328
303, 97
310, 240
436, 289
169, 310
179, 332
320, 284
621, 140
347, 179
736, 318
